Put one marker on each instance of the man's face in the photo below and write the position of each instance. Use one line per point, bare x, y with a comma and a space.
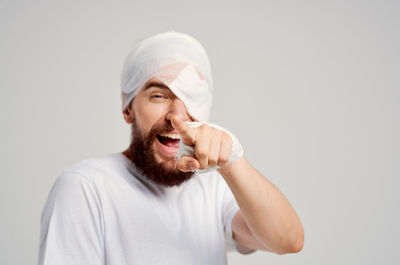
155, 143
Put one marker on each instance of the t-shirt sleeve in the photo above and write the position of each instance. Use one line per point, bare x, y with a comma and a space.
71, 223
229, 209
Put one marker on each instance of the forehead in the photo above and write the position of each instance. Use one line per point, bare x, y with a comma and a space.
152, 84
155, 83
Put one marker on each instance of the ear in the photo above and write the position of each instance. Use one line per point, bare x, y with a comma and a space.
128, 114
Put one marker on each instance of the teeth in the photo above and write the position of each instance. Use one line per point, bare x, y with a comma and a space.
170, 135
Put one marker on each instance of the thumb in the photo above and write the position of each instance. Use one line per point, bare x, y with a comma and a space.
188, 163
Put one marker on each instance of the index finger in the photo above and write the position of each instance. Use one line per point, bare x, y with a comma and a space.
184, 130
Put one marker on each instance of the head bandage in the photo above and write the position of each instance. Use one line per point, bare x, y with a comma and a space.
180, 62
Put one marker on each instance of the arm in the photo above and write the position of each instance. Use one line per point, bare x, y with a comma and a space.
266, 220
71, 223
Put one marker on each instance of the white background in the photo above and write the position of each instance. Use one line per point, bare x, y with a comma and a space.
310, 88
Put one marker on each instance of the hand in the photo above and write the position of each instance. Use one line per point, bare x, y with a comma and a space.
212, 146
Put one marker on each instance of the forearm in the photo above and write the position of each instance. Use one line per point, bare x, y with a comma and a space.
268, 214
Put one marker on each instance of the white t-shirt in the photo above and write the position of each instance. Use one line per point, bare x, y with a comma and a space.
102, 211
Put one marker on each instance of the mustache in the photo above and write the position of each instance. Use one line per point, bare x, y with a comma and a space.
159, 129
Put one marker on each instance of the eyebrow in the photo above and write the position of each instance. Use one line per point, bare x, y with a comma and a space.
156, 84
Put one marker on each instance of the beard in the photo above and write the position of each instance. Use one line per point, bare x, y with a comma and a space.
142, 155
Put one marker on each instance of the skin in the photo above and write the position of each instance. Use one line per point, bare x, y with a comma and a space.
266, 220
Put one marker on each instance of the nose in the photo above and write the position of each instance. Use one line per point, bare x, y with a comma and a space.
178, 108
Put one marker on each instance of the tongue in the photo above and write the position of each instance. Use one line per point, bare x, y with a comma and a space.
170, 142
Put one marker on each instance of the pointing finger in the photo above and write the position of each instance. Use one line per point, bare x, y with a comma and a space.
184, 130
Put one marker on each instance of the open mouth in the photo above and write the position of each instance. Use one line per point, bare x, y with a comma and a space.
168, 143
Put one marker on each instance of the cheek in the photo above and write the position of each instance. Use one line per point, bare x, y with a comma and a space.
149, 114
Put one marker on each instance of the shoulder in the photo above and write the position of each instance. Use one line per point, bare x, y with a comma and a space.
78, 183
85, 174
93, 163
71, 184
91, 169
73, 201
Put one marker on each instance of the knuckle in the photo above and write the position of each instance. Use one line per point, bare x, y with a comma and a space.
203, 165
227, 137
201, 154
217, 137
204, 127
181, 167
213, 160
184, 130
228, 140
224, 159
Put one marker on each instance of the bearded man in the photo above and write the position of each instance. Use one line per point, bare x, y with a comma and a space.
182, 193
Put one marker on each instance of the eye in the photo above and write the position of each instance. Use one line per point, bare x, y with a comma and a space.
157, 96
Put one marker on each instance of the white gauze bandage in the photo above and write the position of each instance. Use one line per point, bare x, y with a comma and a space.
182, 64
